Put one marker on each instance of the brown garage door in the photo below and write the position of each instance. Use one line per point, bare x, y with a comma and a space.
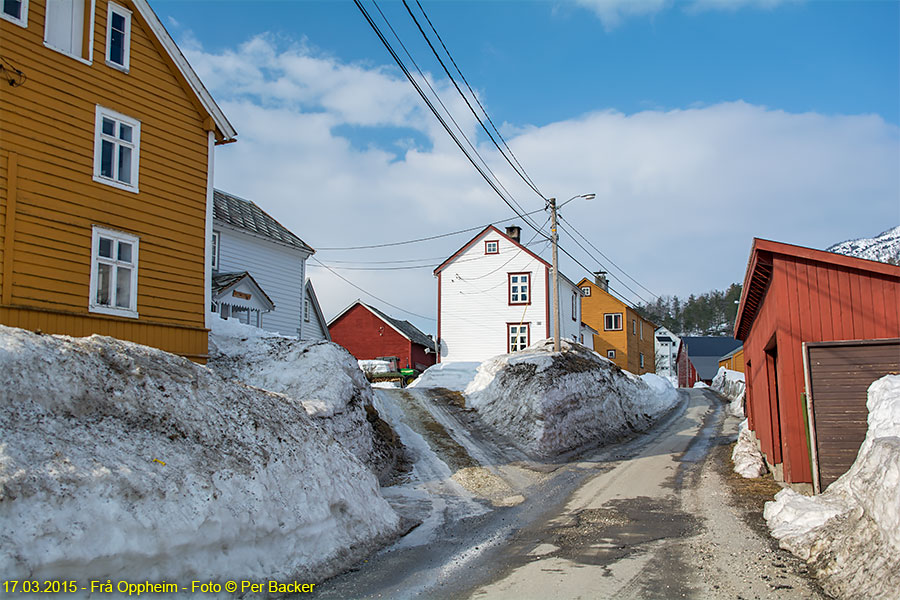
839, 375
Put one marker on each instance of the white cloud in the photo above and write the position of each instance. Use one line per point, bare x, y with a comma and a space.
613, 12
680, 193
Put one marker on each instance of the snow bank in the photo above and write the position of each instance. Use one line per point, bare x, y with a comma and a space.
322, 377
748, 460
731, 384
700, 385
850, 534
555, 402
452, 376
124, 462
372, 367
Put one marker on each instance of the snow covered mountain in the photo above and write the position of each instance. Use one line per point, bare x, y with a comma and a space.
883, 247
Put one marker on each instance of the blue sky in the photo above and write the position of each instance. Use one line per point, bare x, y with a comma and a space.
699, 125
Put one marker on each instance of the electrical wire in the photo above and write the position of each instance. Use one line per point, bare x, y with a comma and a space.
517, 167
370, 294
508, 201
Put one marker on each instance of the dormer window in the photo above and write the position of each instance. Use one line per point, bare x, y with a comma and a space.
492, 247
118, 37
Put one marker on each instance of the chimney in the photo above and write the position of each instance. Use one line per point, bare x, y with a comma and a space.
514, 232
601, 280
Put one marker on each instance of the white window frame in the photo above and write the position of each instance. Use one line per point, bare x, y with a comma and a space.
101, 113
215, 251
96, 259
306, 310
641, 327
126, 14
642, 360
574, 306
523, 288
616, 317
22, 21
611, 354
586, 290
89, 7
520, 329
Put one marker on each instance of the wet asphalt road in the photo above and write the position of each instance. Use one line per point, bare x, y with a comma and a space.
646, 518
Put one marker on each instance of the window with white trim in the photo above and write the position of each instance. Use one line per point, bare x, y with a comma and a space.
574, 307
114, 268
118, 37
611, 354
306, 310
642, 360
586, 290
64, 27
215, 251
492, 247
117, 140
612, 321
641, 328
519, 335
15, 11
634, 327
519, 288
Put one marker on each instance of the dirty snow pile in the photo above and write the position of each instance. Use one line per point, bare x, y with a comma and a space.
555, 402
748, 460
321, 376
850, 534
700, 385
454, 376
373, 367
731, 384
124, 462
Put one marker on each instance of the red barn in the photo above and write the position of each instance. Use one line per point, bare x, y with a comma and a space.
367, 333
791, 296
698, 358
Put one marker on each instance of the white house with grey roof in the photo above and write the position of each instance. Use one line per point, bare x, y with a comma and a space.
248, 241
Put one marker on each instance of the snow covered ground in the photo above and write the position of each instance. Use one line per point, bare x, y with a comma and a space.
124, 462
454, 376
321, 376
850, 534
748, 460
731, 384
550, 403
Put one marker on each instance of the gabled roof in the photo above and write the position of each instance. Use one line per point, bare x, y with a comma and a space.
714, 346
224, 282
404, 328
247, 216
224, 131
594, 285
732, 353
311, 292
471, 242
760, 268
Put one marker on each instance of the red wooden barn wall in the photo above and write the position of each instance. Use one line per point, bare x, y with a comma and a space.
367, 337
687, 374
808, 300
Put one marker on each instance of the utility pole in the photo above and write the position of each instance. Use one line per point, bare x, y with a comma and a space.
555, 235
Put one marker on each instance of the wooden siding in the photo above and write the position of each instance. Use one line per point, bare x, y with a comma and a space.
839, 376
49, 123
314, 329
278, 269
627, 343
367, 337
806, 300
474, 306
735, 362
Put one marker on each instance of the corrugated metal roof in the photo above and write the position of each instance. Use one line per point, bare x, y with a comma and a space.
246, 215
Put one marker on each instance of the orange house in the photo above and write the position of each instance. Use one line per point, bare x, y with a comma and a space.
734, 360
106, 166
624, 337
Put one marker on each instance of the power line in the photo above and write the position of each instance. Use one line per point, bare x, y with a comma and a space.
520, 171
508, 201
425, 239
624, 272
370, 294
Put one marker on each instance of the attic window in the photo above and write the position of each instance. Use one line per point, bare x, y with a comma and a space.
118, 37
586, 290
68, 28
492, 247
15, 11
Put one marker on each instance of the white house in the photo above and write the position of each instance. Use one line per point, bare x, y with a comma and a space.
246, 240
494, 297
315, 327
666, 352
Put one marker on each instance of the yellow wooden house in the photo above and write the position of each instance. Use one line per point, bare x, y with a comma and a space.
106, 163
734, 360
623, 336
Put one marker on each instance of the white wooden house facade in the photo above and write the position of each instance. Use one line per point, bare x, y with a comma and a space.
494, 297
315, 327
247, 239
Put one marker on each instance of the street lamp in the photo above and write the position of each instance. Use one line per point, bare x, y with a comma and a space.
554, 235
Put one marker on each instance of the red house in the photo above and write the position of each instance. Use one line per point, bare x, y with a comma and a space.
792, 297
367, 333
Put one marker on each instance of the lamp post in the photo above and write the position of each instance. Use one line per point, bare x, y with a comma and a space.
554, 236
